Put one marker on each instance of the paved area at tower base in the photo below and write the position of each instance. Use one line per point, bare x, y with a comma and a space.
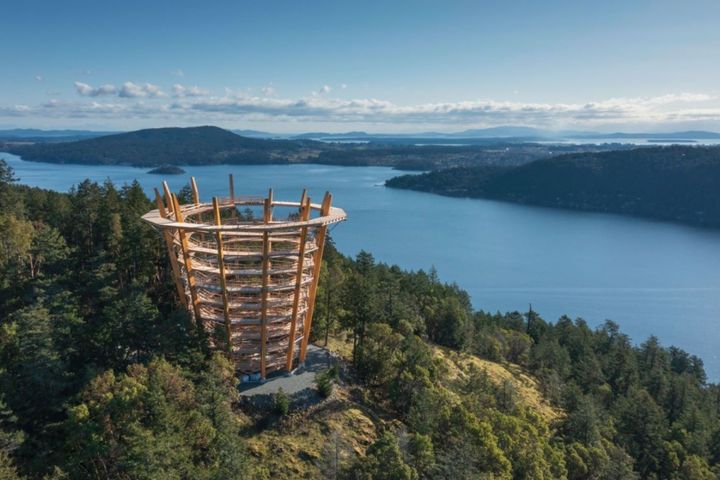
299, 385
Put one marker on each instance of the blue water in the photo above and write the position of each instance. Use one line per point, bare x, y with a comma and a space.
650, 277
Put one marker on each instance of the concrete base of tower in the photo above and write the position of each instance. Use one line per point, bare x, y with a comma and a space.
298, 385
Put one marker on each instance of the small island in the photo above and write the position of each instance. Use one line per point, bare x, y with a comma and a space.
167, 170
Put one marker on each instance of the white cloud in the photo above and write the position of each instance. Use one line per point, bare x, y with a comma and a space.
268, 90
87, 91
322, 91
127, 90
343, 86
39, 78
482, 112
193, 104
137, 90
181, 91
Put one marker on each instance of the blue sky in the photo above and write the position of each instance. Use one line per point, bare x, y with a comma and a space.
291, 66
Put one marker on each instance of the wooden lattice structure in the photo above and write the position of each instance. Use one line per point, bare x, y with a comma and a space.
250, 282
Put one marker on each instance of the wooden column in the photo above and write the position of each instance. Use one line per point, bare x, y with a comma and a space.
177, 276
267, 218
174, 235
168, 198
304, 215
195, 193
317, 259
188, 262
231, 181
232, 189
223, 283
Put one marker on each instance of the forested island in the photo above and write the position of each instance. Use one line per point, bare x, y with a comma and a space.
215, 146
167, 170
677, 183
104, 375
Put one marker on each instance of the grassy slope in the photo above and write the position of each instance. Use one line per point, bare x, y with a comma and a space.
294, 447
526, 386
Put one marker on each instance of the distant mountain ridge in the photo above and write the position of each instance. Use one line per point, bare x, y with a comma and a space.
689, 135
487, 133
514, 132
502, 132
37, 133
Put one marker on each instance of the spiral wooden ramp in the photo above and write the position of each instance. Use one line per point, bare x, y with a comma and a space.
251, 283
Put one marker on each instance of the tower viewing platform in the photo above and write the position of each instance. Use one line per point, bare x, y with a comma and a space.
247, 268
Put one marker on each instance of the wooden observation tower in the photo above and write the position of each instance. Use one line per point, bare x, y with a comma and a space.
249, 279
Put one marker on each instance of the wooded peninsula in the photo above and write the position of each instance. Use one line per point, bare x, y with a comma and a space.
677, 183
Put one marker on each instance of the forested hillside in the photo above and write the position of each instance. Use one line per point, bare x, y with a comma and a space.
164, 146
676, 183
103, 375
214, 146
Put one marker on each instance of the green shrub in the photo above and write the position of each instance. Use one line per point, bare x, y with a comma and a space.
281, 403
325, 381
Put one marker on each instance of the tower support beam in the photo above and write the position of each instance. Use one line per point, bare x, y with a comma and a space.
187, 260
305, 212
223, 280
320, 243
